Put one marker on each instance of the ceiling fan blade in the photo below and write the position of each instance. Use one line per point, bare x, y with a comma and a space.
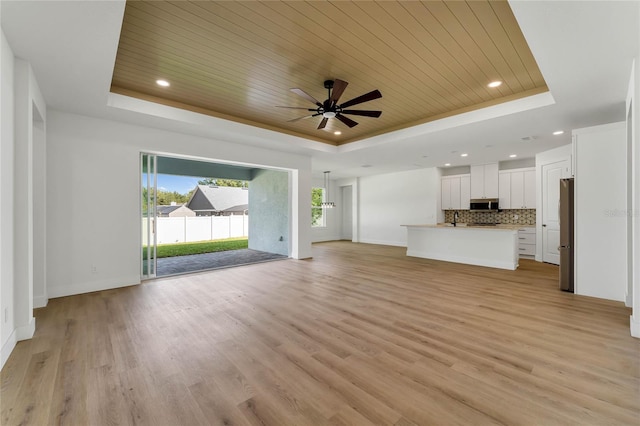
323, 123
361, 99
300, 118
307, 96
338, 89
289, 107
361, 112
349, 122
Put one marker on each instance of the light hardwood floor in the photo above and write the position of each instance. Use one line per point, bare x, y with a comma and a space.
359, 335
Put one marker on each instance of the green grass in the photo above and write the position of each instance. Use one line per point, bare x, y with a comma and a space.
184, 249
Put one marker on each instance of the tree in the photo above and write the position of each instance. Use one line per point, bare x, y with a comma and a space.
317, 196
224, 182
165, 198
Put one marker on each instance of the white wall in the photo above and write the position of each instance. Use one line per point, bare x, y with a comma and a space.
23, 123
601, 211
39, 207
390, 200
346, 209
634, 93
7, 335
93, 196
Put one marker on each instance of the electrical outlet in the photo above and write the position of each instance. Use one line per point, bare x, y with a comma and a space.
94, 269
281, 238
515, 216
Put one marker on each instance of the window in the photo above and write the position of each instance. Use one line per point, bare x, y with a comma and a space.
317, 212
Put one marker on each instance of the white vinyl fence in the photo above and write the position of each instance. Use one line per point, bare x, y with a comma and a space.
200, 228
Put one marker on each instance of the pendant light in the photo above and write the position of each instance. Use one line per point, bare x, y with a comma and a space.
327, 204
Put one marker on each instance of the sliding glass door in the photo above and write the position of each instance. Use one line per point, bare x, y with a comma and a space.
148, 190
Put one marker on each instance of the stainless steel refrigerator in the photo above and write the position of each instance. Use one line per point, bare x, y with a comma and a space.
566, 234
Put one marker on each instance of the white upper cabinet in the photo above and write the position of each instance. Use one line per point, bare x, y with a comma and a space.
445, 185
530, 189
518, 189
465, 192
484, 181
504, 186
455, 192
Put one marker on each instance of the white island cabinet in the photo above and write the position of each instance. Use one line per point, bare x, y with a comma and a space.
484, 246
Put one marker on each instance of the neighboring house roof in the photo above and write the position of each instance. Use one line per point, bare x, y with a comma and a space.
238, 208
217, 198
167, 209
179, 210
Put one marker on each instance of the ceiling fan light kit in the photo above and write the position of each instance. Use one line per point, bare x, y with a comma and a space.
330, 108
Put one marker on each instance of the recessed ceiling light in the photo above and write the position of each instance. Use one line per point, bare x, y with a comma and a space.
558, 132
494, 83
163, 83
464, 154
513, 156
366, 166
337, 132
447, 164
425, 156
488, 146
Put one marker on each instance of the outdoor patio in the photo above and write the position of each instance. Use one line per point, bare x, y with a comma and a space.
201, 262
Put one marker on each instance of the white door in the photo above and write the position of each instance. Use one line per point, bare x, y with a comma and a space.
347, 213
551, 175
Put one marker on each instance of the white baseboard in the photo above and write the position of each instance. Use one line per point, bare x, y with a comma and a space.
26, 331
7, 348
323, 239
634, 321
20, 333
71, 290
40, 301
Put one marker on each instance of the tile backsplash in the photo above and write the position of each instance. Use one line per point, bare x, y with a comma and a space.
525, 217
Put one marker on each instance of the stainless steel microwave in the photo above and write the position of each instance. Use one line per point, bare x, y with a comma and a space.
484, 205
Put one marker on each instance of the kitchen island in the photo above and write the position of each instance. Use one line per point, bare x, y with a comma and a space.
494, 246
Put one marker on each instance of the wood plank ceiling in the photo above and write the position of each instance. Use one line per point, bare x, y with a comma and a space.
239, 59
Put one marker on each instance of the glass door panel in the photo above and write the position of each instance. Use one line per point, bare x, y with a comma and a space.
148, 214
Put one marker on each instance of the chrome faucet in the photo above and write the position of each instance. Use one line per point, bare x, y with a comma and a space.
456, 215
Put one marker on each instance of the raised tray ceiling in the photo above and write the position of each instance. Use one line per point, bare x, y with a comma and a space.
238, 59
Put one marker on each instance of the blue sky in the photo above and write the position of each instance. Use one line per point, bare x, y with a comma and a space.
181, 184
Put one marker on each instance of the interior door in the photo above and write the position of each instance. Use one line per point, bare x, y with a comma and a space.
551, 175
149, 183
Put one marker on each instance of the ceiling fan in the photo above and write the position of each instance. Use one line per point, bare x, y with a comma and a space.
330, 108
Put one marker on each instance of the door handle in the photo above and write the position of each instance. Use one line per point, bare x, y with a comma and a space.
544, 224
